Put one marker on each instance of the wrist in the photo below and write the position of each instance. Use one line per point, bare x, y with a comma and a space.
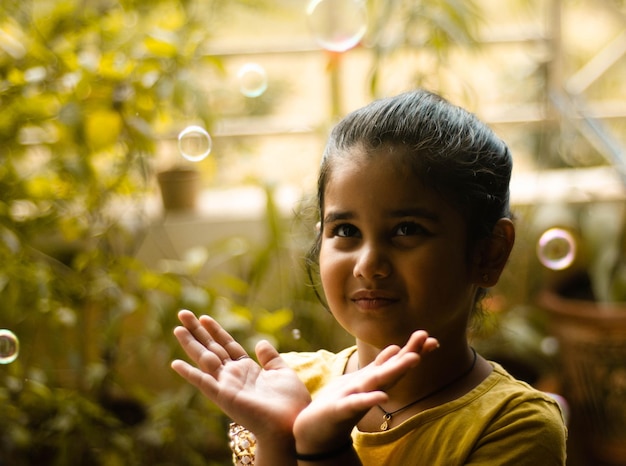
265, 448
242, 444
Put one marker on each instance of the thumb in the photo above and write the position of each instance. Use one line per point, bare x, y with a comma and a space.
268, 356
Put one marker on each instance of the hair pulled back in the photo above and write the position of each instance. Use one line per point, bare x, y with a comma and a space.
446, 147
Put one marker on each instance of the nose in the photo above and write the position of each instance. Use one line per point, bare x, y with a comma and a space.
372, 262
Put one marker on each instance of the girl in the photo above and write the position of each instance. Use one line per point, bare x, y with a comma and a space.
414, 225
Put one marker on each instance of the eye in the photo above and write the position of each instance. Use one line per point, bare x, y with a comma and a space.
345, 230
410, 229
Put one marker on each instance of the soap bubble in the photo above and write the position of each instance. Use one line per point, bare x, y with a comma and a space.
9, 346
194, 143
556, 249
337, 25
252, 80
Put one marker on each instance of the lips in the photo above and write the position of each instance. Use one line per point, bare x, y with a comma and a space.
373, 299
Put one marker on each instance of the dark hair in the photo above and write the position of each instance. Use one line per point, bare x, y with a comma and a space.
447, 148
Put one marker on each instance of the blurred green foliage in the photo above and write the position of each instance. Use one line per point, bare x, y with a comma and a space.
86, 90
435, 27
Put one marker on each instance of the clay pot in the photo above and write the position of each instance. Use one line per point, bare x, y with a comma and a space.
179, 188
592, 339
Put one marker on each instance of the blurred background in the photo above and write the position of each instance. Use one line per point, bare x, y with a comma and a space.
160, 155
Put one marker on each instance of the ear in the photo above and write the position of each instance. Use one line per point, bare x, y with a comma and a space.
492, 253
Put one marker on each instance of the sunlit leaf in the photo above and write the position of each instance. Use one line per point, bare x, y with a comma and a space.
171, 16
272, 322
243, 312
16, 77
116, 65
40, 106
161, 44
232, 283
12, 39
42, 186
102, 128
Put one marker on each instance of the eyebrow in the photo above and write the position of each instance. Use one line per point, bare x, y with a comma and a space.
398, 213
335, 216
415, 212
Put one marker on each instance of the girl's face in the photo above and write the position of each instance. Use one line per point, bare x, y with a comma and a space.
393, 255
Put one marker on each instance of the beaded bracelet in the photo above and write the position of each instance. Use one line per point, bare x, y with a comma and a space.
242, 444
313, 457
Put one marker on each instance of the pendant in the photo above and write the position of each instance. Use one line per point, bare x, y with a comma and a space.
386, 419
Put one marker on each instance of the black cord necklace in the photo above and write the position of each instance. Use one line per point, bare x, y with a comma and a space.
388, 415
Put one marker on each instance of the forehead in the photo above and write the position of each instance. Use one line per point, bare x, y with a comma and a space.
377, 176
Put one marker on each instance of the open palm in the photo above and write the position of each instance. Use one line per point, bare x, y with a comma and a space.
263, 397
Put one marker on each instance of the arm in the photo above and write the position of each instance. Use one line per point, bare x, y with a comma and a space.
270, 401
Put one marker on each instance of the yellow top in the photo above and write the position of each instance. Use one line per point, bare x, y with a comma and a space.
501, 421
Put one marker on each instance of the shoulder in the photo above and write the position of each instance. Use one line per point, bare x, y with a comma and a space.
316, 368
514, 392
519, 420
501, 395
497, 402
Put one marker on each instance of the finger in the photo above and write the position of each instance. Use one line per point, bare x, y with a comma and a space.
201, 334
204, 382
386, 354
409, 355
268, 356
204, 358
414, 345
382, 376
431, 344
359, 403
420, 342
232, 349
416, 341
395, 351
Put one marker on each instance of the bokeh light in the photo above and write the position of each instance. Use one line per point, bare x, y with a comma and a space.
337, 25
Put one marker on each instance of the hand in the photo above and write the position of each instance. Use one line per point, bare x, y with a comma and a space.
264, 398
342, 403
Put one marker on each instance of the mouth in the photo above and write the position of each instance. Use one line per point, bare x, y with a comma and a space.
372, 300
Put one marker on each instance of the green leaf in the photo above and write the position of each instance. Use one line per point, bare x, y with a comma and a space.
272, 322
102, 128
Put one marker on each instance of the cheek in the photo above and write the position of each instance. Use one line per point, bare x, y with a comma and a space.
333, 268
325, 263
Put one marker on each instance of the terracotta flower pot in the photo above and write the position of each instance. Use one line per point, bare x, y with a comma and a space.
179, 188
592, 338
